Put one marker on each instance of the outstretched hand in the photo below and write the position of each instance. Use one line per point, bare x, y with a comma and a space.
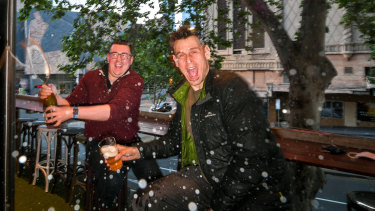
127, 153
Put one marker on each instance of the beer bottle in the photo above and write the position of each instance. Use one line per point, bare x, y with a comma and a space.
50, 101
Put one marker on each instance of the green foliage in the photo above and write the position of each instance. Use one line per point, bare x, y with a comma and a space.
101, 21
362, 15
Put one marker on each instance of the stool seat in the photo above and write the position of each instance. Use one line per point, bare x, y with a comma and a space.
361, 200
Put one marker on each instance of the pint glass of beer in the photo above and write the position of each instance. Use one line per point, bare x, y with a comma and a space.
109, 151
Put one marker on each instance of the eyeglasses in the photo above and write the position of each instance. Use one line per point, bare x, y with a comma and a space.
192, 52
124, 56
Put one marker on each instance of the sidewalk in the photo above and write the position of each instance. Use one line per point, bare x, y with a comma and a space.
366, 132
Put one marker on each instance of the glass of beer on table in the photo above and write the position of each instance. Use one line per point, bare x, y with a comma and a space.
109, 150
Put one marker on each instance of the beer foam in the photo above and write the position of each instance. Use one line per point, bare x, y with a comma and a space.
109, 151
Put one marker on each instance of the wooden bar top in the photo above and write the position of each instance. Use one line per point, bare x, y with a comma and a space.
298, 145
305, 146
312, 154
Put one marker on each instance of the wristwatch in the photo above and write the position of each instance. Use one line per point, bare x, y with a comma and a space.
75, 112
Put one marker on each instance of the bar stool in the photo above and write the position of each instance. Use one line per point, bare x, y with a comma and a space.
67, 136
22, 131
47, 165
31, 143
79, 177
361, 201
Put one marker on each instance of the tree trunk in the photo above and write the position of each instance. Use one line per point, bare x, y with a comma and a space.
310, 73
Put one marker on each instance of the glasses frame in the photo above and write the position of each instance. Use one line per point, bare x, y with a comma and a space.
123, 56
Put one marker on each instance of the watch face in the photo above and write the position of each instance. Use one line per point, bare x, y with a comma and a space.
75, 112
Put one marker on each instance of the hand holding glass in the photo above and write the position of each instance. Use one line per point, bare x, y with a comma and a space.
109, 151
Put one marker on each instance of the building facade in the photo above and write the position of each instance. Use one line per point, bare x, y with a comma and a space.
350, 99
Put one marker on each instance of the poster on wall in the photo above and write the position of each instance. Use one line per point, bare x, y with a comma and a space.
366, 112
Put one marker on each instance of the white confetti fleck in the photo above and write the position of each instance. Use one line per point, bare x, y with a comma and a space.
15, 153
283, 199
22, 159
192, 206
264, 174
151, 193
50, 177
292, 72
208, 161
76, 207
310, 121
142, 183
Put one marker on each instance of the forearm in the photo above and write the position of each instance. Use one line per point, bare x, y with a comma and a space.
95, 113
61, 101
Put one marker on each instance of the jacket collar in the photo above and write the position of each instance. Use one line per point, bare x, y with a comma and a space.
180, 92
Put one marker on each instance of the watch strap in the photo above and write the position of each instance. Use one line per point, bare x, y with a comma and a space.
75, 112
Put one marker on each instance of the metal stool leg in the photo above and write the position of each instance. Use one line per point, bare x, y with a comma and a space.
49, 135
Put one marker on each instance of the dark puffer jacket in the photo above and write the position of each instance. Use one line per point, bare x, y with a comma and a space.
236, 150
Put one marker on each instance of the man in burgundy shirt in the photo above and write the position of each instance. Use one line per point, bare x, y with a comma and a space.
108, 100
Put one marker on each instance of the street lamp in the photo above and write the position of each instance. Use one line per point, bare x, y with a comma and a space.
269, 94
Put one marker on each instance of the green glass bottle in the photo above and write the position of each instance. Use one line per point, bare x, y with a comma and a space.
50, 101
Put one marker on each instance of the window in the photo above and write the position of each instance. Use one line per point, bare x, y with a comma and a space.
239, 25
370, 71
221, 25
333, 109
257, 36
348, 70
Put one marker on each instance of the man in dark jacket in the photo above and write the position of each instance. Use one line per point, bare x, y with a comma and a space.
229, 159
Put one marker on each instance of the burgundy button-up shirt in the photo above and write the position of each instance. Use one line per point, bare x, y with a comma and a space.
123, 97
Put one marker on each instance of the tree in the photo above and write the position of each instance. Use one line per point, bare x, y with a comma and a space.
309, 72
303, 57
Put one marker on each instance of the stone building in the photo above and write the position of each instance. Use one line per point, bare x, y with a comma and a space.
350, 99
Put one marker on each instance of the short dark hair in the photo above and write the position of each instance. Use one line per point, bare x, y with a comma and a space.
121, 42
183, 32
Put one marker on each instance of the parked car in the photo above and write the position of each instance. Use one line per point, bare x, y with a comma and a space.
162, 107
